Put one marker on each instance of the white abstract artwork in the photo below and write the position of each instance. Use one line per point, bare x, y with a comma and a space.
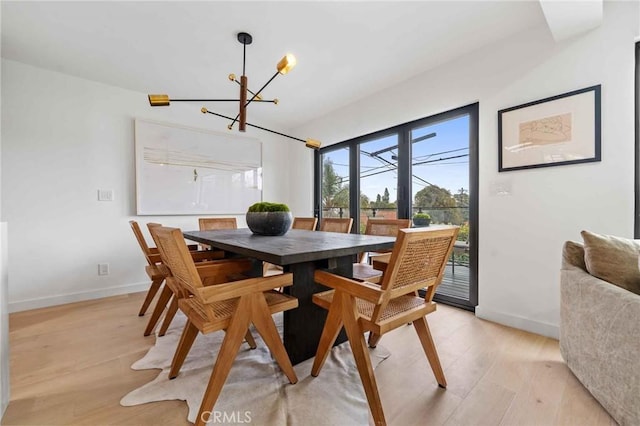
182, 170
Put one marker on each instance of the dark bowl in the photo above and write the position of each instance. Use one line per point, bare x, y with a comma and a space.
269, 223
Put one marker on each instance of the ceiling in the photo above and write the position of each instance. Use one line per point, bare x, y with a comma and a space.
345, 50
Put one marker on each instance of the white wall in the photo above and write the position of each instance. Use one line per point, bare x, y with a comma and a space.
63, 139
4, 322
4, 306
521, 236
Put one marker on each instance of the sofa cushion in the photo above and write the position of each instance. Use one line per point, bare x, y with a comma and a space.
573, 255
613, 259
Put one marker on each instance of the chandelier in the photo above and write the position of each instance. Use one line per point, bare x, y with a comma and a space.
247, 96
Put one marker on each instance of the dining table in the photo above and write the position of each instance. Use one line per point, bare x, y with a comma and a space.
300, 252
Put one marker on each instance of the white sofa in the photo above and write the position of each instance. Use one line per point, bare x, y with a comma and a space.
600, 336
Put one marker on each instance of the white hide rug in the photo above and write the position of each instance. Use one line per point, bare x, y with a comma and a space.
256, 391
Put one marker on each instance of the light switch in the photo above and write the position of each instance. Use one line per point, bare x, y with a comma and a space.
103, 269
105, 194
501, 188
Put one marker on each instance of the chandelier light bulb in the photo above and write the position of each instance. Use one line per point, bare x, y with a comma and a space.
286, 64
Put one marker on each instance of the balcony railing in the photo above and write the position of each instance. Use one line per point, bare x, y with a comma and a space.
455, 282
439, 215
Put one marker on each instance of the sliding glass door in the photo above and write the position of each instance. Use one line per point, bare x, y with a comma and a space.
441, 190
425, 170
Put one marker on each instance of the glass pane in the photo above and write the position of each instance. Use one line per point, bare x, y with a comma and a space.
440, 168
378, 179
335, 183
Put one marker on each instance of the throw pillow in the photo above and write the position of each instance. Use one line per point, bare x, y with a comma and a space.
573, 255
612, 259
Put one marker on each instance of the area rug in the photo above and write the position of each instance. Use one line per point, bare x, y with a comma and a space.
256, 391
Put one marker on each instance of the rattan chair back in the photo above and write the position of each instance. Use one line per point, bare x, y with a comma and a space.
335, 224
212, 223
417, 262
386, 227
305, 223
146, 250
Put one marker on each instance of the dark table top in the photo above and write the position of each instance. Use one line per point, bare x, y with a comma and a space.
295, 246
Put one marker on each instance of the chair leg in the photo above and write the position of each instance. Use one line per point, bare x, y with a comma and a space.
168, 317
361, 355
374, 339
250, 340
153, 289
165, 295
332, 327
230, 345
263, 322
422, 328
189, 334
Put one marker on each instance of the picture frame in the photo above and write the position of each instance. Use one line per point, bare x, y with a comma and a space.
182, 170
555, 131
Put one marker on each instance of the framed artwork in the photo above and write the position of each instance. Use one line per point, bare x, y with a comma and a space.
560, 130
182, 170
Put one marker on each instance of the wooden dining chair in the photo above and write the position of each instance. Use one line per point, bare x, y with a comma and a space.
153, 260
233, 269
211, 273
363, 270
305, 223
334, 224
213, 223
418, 261
230, 307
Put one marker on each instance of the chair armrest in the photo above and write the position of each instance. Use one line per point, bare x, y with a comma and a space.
359, 289
163, 269
218, 271
381, 261
380, 266
381, 257
244, 287
206, 255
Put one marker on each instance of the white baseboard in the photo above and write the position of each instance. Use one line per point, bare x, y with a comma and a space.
526, 324
43, 302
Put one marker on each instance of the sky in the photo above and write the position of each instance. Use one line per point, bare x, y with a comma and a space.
442, 159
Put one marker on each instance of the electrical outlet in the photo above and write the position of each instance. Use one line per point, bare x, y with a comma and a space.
105, 194
103, 269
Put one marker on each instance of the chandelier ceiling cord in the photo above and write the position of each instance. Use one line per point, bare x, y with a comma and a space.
285, 65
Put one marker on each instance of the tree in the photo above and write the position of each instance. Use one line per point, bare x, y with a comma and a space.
440, 203
462, 197
382, 201
462, 201
331, 183
365, 203
335, 194
341, 199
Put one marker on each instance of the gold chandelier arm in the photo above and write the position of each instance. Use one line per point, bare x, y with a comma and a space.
163, 100
309, 143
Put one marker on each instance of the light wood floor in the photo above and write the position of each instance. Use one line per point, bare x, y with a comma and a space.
70, 365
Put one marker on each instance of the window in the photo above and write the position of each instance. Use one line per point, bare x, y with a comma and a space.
427, 167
